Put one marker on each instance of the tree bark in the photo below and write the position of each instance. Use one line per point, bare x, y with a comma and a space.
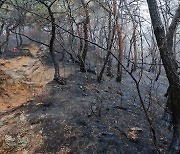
109, 47
85, 28
135, 50
165, 43
51, 45
52, 39
120, 47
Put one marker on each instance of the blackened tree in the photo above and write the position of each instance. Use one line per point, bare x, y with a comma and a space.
165, 45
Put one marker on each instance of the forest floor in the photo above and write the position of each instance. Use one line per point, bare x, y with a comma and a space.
37, 115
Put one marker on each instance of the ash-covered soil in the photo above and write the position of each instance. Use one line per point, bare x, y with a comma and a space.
86, 117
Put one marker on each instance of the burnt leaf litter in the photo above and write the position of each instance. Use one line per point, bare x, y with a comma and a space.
83, 116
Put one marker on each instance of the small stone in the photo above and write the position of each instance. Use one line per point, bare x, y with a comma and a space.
23, 118
22, 141
10, 142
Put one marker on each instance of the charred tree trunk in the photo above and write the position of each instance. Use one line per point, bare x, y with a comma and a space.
51, 45
130, 52
159, 70
133, 40
6, 43
165, 43
120, 47
120, 53
57, 77
2, 26
109, 66
1, 32
135, 50
85, 28
109, 47
20, 37
17, 39
80, 43
106, 59
9, 28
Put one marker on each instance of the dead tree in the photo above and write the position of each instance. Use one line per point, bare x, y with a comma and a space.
165, 44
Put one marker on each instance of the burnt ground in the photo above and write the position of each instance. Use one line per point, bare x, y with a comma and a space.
86, 117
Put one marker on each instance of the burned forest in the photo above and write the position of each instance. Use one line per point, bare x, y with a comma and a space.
89, 77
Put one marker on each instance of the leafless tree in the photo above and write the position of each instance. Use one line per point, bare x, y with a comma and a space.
165, 43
